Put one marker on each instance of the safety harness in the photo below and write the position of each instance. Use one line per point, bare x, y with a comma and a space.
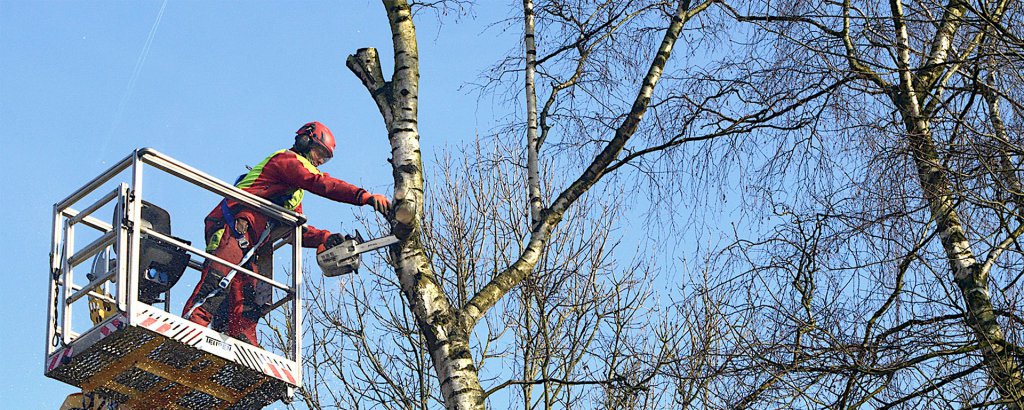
283, 200
229, 226
226, 280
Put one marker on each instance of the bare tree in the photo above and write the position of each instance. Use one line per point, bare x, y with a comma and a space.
906, 186
875, 255
446, 327
578, 333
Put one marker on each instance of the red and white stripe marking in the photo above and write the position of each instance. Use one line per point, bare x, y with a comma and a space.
111, 326
191, 334
107, 329
56, 359
281, 373
184, 332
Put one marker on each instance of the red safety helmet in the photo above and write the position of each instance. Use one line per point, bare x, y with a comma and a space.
316, 133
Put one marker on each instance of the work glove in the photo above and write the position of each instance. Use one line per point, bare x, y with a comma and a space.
380, 203
333, 240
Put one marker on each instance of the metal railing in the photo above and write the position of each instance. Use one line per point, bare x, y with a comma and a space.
123, 235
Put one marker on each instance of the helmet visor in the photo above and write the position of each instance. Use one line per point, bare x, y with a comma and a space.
319, 155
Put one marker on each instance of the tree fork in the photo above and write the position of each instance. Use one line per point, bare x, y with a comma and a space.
447, 336
445, 328
1003, 368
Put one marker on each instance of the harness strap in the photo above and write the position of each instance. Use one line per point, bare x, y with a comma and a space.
226, 280
229, 219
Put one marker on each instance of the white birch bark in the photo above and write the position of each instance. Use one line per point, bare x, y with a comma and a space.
446, 336
969, 278
533, 183
491, 293
446, 328
532, 148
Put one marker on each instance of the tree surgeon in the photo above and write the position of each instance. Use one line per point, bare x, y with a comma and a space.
232, 230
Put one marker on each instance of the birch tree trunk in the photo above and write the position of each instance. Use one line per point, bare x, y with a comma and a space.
533, 187
532, 146
917, 96
446, 328
971, 280
445, 332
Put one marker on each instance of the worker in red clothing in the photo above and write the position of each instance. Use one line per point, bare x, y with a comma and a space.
232, 229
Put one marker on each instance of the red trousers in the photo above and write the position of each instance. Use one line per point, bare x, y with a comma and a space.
235, 305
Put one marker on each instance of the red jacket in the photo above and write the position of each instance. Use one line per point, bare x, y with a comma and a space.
281, 178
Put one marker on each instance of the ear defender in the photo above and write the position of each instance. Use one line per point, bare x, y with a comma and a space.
303, 137
302, 142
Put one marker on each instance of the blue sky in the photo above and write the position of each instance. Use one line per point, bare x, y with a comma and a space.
217, 85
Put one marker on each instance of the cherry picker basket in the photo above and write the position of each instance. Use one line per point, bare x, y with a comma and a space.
143, 356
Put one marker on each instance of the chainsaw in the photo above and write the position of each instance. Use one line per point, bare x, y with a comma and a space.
343, 258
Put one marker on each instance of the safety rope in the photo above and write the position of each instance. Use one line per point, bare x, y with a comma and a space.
226, 280
56, 298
